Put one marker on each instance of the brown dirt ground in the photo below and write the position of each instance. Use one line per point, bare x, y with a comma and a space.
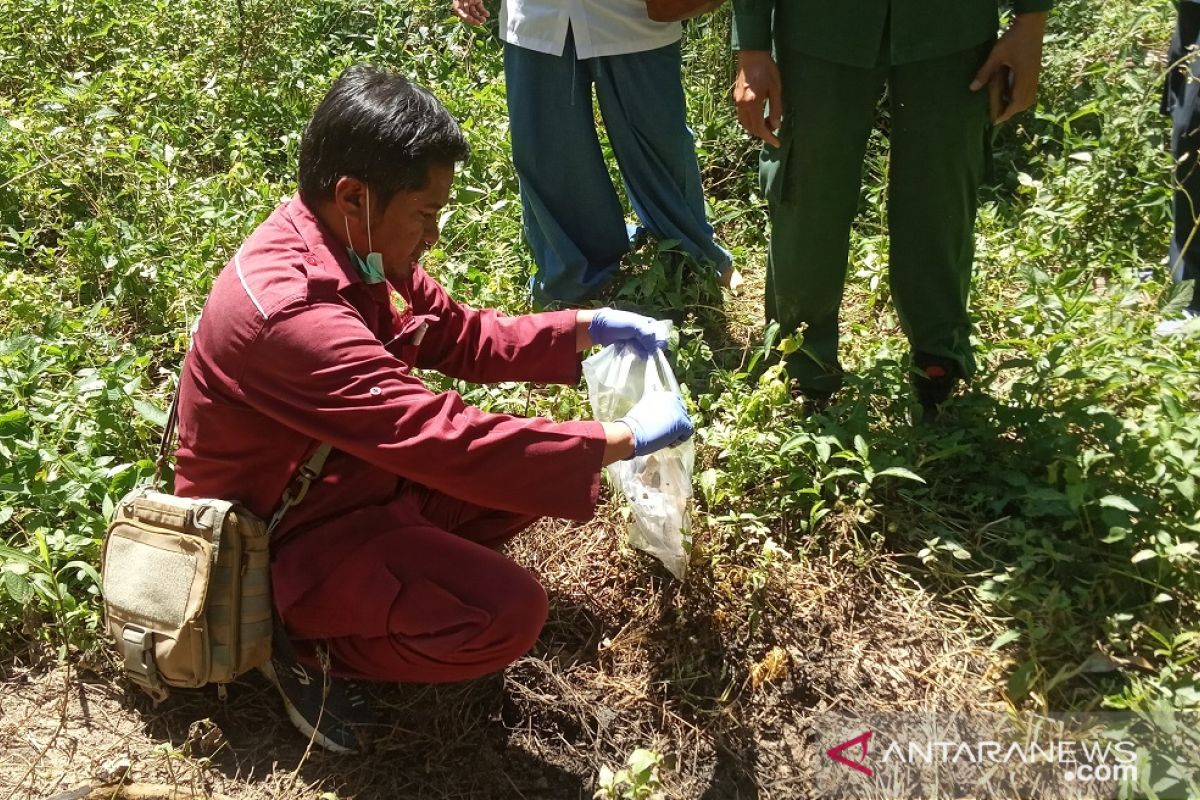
722, 677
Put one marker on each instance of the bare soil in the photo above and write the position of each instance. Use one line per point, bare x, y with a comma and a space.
722, 673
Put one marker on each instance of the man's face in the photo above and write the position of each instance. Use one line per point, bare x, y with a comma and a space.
409, 224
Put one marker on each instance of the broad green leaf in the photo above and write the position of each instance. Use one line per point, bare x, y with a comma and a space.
151, 413
1018, 682
18, 588
83, 568
1116, 501
8, 555
789, 345
13, 416
900, 472
1143, 555
1184, 549
642, 761
795, 443
1005, 638
16, 567
1116, 534
1178, 298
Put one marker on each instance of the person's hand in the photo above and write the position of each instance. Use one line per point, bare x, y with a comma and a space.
1012, 69
658, 420
645, 334
471, 11
757, 85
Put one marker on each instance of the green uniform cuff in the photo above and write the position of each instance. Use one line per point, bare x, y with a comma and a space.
752, 31
1026, 6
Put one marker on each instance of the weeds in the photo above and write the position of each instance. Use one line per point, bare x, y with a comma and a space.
637, 780
140, 142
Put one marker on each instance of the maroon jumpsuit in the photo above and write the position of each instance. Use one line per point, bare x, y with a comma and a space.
390, 557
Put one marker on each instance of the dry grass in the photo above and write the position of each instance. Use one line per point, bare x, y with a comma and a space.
725, 679
725, 673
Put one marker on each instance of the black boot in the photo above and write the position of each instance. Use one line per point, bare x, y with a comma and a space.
933, 380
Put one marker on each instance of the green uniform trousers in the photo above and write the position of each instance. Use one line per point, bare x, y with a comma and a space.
939, 149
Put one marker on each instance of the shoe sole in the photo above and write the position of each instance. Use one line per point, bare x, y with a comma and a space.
732, 280
303, 725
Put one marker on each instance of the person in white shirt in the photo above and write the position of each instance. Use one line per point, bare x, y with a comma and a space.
555, 52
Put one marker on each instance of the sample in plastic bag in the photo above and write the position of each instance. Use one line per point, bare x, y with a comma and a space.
659, 485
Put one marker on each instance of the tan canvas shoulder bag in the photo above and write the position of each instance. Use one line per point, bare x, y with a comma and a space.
186, 582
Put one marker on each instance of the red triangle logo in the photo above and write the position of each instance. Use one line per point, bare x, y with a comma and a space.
861, 741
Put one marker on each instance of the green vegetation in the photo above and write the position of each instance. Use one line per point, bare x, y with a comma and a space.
1057, 507
638, 780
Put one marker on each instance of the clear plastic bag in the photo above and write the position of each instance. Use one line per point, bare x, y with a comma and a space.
658, 486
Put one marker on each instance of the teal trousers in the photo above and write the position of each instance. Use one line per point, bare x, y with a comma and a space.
574, 221
812, 182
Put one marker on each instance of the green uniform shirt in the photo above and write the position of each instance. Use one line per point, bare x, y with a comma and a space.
851, 31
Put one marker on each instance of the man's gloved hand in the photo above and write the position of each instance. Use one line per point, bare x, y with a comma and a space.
658, 420
646, 334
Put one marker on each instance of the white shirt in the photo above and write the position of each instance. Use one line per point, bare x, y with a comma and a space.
601, 27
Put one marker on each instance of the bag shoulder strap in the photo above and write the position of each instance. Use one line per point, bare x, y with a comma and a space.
309, 471
168, 439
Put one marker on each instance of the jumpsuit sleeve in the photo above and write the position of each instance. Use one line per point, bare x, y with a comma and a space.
752, 24
486, 346
346, 389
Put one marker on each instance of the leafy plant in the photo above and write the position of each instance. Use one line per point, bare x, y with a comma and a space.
638, 780
140, 142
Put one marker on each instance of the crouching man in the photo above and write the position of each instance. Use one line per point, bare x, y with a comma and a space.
387, 570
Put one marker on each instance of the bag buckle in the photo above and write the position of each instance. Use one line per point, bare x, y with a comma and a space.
137, 648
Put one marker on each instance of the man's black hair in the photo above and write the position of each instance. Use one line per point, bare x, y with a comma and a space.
380, 128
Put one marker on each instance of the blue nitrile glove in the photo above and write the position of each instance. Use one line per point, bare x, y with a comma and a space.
646, 334
658, 420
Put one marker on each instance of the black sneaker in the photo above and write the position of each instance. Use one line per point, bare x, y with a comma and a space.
933, 380
330, 711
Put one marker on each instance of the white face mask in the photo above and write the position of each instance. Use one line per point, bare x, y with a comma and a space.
371, 267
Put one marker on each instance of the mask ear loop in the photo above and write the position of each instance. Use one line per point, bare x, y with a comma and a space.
370, 248
345, 219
